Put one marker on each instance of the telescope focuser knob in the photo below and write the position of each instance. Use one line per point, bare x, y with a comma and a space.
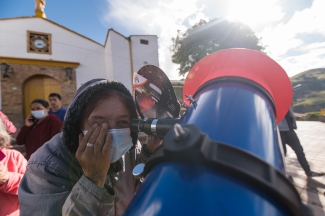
180, 133
138, 172
190, 98
182, 138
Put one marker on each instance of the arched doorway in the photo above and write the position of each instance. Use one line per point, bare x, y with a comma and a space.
39, 86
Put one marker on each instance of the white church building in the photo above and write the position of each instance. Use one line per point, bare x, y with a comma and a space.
39, 56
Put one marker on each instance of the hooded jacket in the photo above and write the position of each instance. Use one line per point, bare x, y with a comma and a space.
54, 183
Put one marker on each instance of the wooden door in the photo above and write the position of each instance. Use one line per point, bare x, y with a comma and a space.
39, 87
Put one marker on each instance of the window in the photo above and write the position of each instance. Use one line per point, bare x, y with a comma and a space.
142, 41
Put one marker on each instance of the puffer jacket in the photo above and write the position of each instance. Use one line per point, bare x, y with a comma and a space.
55, 184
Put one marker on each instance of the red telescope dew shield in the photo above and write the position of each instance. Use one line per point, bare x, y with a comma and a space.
154, 94
244, 63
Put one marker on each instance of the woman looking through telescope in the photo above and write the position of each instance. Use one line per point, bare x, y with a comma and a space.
87, 169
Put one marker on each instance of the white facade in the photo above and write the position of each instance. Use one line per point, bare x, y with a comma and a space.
141, 52
117, 59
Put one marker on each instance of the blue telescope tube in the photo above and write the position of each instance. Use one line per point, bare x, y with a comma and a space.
240, 115
235, 113
185, 189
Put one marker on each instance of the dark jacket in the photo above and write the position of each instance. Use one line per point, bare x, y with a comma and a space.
288, 123
36, 135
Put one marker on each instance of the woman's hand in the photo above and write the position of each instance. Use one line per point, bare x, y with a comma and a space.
95, 160
153, 143
4, 174
29, 121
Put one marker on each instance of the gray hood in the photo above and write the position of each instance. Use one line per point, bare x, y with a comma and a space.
72, 121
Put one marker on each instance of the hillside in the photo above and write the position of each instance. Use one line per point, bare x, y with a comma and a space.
309, 94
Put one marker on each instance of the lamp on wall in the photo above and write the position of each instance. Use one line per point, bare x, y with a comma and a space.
68, 71
4, 69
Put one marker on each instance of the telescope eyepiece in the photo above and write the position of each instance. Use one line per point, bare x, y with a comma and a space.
153, 126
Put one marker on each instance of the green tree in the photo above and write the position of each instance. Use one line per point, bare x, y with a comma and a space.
208, 37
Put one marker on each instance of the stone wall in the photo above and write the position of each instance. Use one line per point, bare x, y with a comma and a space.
12, 88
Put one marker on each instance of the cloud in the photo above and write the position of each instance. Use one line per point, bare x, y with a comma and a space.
254, 12
284, 37
309, 60
162, 18
279, 40
281, 33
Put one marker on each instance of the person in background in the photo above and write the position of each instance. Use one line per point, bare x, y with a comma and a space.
10, 127
12, 168
56, 106
40, 127
87, 169
289, 137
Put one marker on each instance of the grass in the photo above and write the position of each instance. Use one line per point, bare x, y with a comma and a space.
310, 97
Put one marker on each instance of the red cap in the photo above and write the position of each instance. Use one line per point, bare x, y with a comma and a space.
248, 64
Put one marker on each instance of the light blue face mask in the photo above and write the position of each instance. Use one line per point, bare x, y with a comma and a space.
122, 142
39, 114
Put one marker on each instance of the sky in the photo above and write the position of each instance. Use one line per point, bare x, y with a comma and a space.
293, 31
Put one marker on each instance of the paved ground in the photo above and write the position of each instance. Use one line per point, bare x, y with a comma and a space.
311, 190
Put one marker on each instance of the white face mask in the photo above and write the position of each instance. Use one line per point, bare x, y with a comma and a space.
39, 114
122, 142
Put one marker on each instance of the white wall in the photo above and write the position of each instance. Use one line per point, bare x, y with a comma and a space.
111, 61
66, 46
120, 58
144, 53
108, 60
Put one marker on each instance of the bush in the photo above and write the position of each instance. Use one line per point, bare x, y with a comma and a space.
313, 116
